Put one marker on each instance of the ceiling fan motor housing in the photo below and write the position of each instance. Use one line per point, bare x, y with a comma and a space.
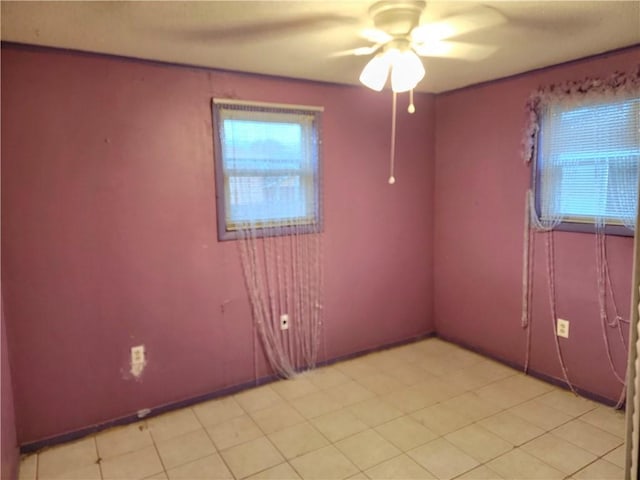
397, 18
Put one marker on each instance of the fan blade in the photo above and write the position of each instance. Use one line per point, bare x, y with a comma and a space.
375, 35
476, 19
461, 50
357, 51
281, 27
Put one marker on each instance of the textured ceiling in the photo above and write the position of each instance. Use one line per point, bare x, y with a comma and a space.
296, 38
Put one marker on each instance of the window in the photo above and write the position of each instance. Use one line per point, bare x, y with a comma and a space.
587, 163
267, 167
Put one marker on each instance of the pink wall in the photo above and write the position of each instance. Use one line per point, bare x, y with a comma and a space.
8, 441
479, 214
109, 232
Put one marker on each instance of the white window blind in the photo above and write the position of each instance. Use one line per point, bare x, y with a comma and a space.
588, 163
268, 164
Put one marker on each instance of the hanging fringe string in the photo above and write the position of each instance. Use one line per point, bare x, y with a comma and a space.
601, 267
551, 276
527, 281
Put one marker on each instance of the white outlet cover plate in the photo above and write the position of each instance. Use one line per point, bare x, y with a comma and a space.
562, 328
137, 354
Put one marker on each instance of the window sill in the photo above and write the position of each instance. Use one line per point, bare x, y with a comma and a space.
582, 227
226, 235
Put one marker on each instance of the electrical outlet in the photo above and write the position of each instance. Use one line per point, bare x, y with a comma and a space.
562, 328
284, 322
137, 354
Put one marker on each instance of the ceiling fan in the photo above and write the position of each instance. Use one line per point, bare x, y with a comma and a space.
399, 39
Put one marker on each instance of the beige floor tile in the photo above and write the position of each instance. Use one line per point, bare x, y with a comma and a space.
186, 448
132, 466
356, 368
385, 361
119, 440
441, 419
88, 472
28, 467
500, 395
158, 476
380, 383
276, 418
512, 428
67, 457
438, 389
617, 456
339, 424
513, 390
567, 402
409, 399
358, 476
401, 467
349, 393
315, 404
479, 443
284, 471
411, 353
234, 432
298, 440
326, 463
294, 388
526, 385
173, 424
468, 379
480, 473
491, 370
252, 457
374, 411
600, 470
472, 406
606, 419
586, 436
464, 358
367, 449
540, 415
436, 346
258, 398
207, 468
441, 366
443, 459
559, 453
410, 374
217, 411
518, 464
406, 433
327, 377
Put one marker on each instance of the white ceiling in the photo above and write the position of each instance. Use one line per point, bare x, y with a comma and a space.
296, 38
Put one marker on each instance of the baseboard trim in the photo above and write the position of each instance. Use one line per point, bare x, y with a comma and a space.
558, 382
132, 418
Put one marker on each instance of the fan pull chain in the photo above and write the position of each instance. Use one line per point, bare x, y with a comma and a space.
412, 107
392, 179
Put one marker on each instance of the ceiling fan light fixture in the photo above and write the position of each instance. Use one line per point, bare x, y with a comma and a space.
406, 71
375, 73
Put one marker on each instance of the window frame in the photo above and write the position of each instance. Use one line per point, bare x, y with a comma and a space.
572, 224
315, 224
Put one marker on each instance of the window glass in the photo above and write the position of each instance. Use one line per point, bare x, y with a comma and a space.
267, 167
587, 165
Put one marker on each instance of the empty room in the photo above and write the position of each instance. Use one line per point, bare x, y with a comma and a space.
320, 239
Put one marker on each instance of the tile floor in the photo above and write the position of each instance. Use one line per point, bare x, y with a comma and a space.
425, 410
